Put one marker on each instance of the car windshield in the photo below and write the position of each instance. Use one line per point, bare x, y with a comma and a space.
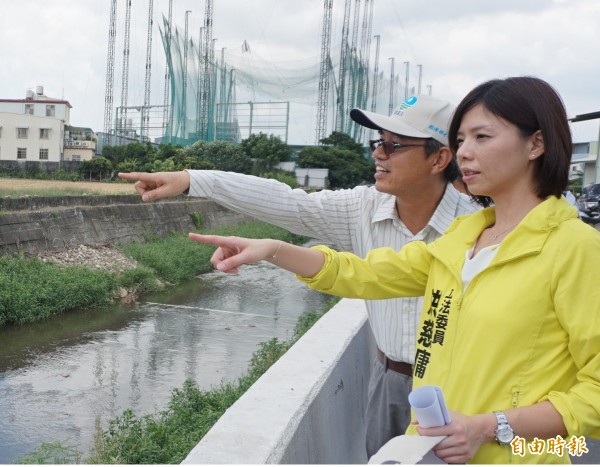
595, 189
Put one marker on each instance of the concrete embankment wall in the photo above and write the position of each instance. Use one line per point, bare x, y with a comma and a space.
308, 408
101, 222
35, 203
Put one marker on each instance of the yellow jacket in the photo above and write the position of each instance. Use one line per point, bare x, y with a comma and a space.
527, 328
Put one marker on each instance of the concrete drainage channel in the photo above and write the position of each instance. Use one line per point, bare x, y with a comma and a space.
38, 225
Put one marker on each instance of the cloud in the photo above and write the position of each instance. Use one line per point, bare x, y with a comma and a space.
63, 45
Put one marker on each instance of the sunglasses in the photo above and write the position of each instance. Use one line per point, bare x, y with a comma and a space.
389, 147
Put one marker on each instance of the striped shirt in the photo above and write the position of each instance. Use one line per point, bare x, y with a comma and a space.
357, 220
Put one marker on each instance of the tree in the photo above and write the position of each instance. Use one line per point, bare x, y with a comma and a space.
343, 140
167, 151
266, 150
137, 155
95, 168
223, 155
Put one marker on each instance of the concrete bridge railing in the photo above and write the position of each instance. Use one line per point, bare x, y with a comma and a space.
308, 408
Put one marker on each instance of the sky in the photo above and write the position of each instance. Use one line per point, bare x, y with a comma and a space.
62, 45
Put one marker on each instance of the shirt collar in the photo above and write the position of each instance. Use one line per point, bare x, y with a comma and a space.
440, 221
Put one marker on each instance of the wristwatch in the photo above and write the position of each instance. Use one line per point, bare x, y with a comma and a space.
504, 432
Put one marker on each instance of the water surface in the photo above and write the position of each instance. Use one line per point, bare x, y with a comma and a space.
59, 378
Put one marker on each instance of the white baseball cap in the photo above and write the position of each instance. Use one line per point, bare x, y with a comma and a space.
417, 116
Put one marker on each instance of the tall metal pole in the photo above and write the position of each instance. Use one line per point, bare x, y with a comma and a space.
344, 56
420, 67
167, 114
220, 120
353, 85
324, 73
125, 75
391, 104
146, 109
199, 81
210, 135
185, 72
375, 75
110, 71
205, 102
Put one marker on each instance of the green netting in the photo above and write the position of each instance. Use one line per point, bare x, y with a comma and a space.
239, 76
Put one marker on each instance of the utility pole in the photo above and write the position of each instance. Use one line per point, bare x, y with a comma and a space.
420, 68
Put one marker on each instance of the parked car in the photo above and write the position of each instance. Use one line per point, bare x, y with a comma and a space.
588, 203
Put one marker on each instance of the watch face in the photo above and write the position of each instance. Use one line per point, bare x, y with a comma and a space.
504, 435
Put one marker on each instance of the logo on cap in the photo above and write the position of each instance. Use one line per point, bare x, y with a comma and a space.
407, 104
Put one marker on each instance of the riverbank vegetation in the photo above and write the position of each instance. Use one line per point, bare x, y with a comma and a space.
33, 290
36, 290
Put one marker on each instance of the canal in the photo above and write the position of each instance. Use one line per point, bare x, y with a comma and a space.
60, 378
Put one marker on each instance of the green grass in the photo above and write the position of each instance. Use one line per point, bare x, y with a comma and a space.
33, 290
49, 192
53, 453
176, 258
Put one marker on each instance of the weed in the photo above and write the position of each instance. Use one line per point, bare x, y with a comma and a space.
33, 290
198, 220
52, 453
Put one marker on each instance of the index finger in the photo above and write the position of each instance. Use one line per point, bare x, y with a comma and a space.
132, 175
216, 240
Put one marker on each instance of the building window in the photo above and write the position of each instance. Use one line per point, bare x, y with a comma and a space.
43, 154
50, 110
29, 109
44, 133
76, 158
22, 133
21, 153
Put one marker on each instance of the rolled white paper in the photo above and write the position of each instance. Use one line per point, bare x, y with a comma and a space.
429, 406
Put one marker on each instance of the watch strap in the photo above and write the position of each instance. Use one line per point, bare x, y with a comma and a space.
503, 429
501, 418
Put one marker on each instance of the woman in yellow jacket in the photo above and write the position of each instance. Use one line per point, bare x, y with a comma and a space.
511, 322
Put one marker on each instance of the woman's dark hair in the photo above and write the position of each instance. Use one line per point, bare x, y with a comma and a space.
530, 104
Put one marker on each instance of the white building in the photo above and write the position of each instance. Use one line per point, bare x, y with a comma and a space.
37, 129
307, 177
585, 162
